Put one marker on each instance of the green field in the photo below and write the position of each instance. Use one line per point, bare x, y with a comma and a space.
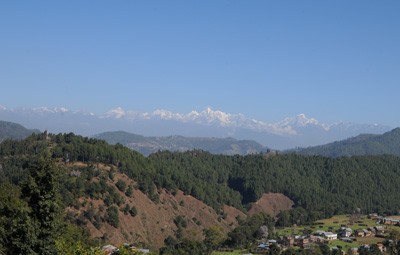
345, 246
337, 221
331, 224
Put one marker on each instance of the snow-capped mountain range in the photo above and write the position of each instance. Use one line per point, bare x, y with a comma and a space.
298, 131
205, 117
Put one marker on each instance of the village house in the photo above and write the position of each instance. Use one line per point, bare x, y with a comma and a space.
373, 216
261, 248
330, 236
354, 251
316, 239
288, 241
303, 242
362, 233
359, 233
345, 232
372, 230
379, 230
367, 232
389, 221
381, 247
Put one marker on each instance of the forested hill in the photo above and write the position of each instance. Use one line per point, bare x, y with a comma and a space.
109, 178
324, 185
367, 144
10, 130
148, 145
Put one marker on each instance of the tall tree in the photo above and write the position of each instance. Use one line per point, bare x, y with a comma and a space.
17, 231
214, 236
41, 193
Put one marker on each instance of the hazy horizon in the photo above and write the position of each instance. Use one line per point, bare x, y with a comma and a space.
333, 61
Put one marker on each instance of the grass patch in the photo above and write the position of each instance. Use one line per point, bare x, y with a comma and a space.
297, 230
345, 246
331, 224
369, 240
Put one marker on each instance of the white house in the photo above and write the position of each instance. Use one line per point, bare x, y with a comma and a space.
345, 232
330, 236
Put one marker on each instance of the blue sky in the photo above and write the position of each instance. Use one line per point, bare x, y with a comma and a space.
332, 60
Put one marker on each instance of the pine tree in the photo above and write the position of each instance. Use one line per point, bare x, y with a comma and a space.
41, 193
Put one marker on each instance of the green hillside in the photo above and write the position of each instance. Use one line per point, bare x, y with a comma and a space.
319, 184
121, 137
10, 130
367, 144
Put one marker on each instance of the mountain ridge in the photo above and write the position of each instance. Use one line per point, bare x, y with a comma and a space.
10, 130
363, 144
148, 145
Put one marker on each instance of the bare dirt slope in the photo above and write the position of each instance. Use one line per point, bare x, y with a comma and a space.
272, 204
155, 220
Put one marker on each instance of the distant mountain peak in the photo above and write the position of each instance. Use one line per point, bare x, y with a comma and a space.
44, 110
205, 116
301, 120
216, 116
115, 113
61, 109
167, 115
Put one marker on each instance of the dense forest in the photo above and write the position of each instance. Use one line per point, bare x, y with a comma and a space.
322, 186
35, 187
318, 184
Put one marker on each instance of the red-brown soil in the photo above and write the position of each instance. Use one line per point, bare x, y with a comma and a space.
155, 221
271, 204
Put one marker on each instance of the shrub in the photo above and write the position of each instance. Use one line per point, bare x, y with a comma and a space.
121, 185
126, 209
112, 216
129, 191
133, 211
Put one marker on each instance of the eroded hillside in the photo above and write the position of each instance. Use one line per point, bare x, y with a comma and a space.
151, 221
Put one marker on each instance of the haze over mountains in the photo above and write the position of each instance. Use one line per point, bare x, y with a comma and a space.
148, 145
298, 131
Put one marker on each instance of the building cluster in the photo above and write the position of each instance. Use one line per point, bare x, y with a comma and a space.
344, 233
320, 236
384, 220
